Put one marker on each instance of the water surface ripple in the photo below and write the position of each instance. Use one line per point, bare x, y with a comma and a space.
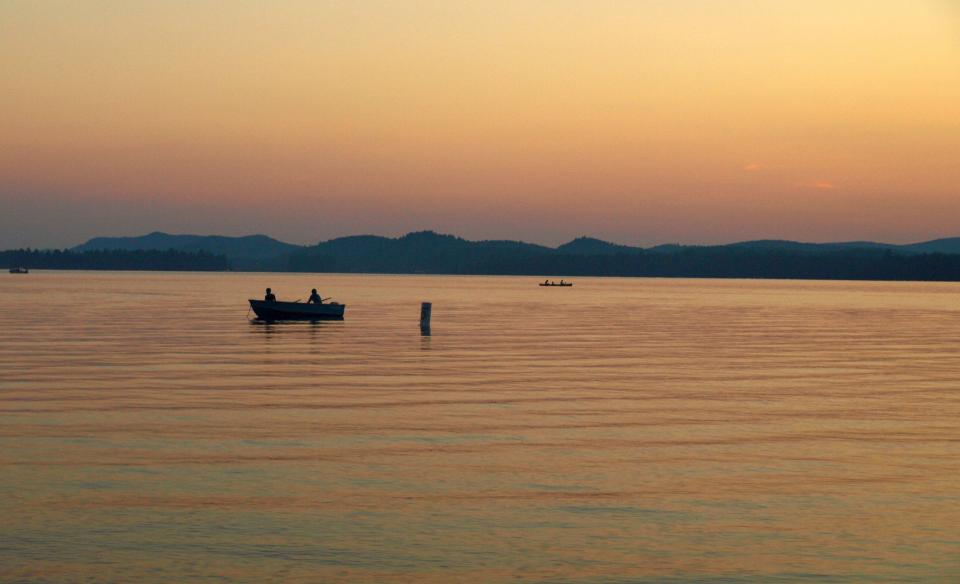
623, 430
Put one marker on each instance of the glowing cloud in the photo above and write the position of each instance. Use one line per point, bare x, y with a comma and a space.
820, 185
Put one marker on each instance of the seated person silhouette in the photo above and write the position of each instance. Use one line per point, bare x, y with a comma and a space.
269, 296
314, 297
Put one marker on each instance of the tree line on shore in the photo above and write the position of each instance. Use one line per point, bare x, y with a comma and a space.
159, 260
705, 262
431, 253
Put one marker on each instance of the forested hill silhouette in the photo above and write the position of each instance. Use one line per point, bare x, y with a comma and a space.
424, 251
434, 253
592, 246
250, 252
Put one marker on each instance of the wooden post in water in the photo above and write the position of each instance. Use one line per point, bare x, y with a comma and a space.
425, 309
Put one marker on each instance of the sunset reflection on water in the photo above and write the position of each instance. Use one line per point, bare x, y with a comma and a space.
634, 430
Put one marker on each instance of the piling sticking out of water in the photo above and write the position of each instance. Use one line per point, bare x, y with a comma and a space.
425, 310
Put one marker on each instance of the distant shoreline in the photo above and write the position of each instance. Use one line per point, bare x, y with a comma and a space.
426, 253
534, 277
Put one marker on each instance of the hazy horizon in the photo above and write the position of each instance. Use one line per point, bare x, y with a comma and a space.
481, 238
636, 122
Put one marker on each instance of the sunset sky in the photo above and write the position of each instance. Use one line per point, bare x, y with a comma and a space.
641, 122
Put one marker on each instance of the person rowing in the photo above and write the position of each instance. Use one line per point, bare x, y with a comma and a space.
270, 296
314, 297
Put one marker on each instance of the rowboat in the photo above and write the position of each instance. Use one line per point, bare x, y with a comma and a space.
19, 271
297, 310
564, 285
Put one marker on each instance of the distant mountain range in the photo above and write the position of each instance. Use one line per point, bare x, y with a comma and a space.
261, 251
433, 253
948, 245
250, 252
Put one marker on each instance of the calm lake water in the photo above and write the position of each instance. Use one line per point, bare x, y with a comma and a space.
624, 430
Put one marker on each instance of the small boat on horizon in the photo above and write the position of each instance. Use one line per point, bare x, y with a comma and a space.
561, 284
19, 270
276, 310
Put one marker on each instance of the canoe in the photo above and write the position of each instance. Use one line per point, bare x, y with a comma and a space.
296, 310
19, 271
564, 285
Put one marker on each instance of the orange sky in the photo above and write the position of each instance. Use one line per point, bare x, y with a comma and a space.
640, 121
